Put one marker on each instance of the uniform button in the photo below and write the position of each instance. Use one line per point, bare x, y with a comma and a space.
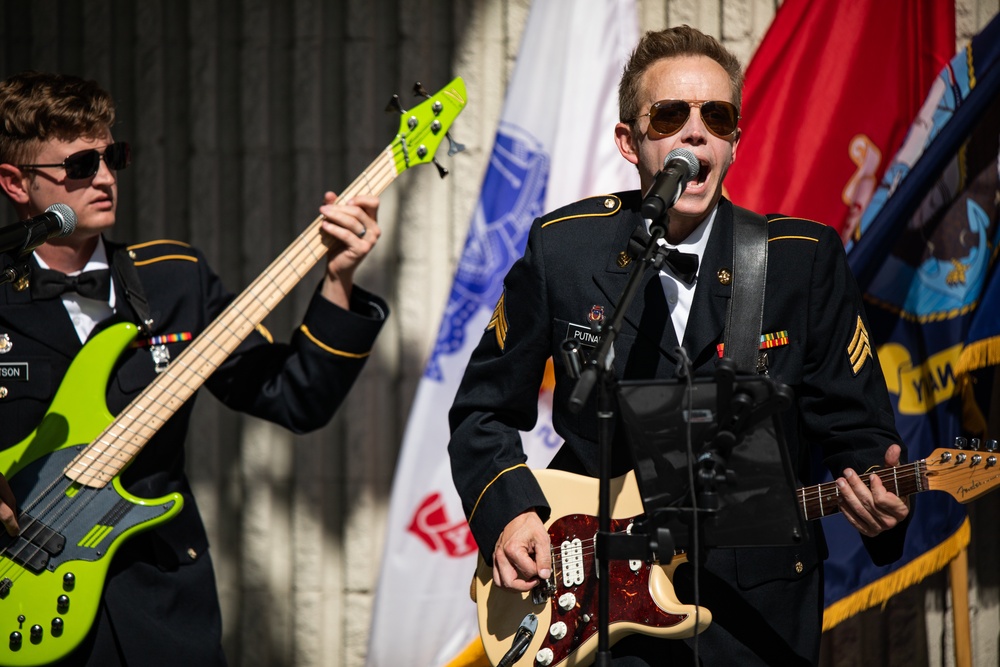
192, 554
725, 276
672, 299
3, 392
5, 344
609, 203
799, 567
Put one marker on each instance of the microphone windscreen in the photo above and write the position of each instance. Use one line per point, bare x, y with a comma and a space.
67, 218
688, 158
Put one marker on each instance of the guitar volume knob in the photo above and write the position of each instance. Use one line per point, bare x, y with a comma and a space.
558, 630
567, 601
544, 657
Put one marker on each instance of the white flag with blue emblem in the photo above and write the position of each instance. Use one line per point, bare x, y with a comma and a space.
555, 144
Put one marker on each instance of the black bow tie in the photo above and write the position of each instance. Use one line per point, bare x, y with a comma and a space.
684, 265
47, 284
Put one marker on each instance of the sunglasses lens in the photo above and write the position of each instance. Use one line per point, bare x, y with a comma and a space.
669, 116
117, 155
720, 117
83, 164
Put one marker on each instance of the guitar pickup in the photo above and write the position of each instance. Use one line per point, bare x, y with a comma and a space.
41, 535
36, 544
27, 555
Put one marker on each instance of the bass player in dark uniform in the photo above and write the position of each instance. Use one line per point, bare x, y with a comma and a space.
160, 604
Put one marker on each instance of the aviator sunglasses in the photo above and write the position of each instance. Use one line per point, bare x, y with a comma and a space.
667, 117
86, 163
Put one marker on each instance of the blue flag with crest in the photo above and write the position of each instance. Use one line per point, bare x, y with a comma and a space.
924, 256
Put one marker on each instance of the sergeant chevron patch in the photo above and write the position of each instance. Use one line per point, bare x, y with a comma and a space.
498, 322
860, 348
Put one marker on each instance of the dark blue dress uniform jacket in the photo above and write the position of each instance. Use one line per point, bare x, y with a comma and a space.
160, 604
766, 602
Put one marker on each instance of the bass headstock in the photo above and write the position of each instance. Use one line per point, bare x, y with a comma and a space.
425, 126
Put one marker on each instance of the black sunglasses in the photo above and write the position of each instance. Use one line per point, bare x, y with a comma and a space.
667, 117
86, 163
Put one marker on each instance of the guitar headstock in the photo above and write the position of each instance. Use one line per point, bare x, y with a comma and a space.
425, 126
964, 473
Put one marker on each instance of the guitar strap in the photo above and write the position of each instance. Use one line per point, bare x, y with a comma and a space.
746, 307
126, 276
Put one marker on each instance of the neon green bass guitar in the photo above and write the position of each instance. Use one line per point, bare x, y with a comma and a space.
74, 512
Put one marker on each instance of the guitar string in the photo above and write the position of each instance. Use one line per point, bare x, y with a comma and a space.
907, 476
383, 165
219, 334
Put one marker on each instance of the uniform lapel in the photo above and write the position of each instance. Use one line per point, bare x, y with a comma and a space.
707, 320
647, 318
45, 321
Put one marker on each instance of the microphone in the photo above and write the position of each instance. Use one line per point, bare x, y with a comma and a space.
23, 237
679, 167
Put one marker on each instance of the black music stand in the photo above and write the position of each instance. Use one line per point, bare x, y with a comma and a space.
744, 490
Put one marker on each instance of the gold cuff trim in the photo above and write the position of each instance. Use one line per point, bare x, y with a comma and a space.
262, 330
486, 488
340, 353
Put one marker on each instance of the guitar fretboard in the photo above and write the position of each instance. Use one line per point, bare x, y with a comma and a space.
125, 437
823, 500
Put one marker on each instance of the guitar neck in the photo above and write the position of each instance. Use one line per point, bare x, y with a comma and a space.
125, 437
823, 499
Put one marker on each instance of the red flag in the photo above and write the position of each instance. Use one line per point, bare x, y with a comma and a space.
829, 97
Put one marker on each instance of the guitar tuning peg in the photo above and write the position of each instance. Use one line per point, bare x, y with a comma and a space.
991, 445
960, 442
974, 444
419, 90
394, 105
442, 171
453, 146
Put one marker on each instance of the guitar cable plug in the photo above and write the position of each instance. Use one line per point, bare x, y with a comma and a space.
525, 633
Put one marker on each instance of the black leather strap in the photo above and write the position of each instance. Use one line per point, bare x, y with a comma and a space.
125, 273
746, 307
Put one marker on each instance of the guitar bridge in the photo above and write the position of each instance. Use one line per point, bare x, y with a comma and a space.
543, 592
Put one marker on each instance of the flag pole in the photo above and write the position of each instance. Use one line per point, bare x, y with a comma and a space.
958, 573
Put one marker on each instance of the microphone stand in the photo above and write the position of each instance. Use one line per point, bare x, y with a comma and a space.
13, 272
598, 370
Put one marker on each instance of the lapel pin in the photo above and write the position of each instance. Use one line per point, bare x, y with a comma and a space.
725, 276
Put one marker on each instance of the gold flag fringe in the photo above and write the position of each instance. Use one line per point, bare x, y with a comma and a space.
981, 354
878, 592
473, 655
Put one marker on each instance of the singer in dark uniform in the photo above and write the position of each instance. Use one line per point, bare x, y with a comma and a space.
680, 89
159, 605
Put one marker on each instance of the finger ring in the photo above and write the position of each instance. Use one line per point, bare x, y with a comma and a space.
361, 234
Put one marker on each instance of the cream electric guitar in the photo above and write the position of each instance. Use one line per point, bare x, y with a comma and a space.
75, 513
642, 597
